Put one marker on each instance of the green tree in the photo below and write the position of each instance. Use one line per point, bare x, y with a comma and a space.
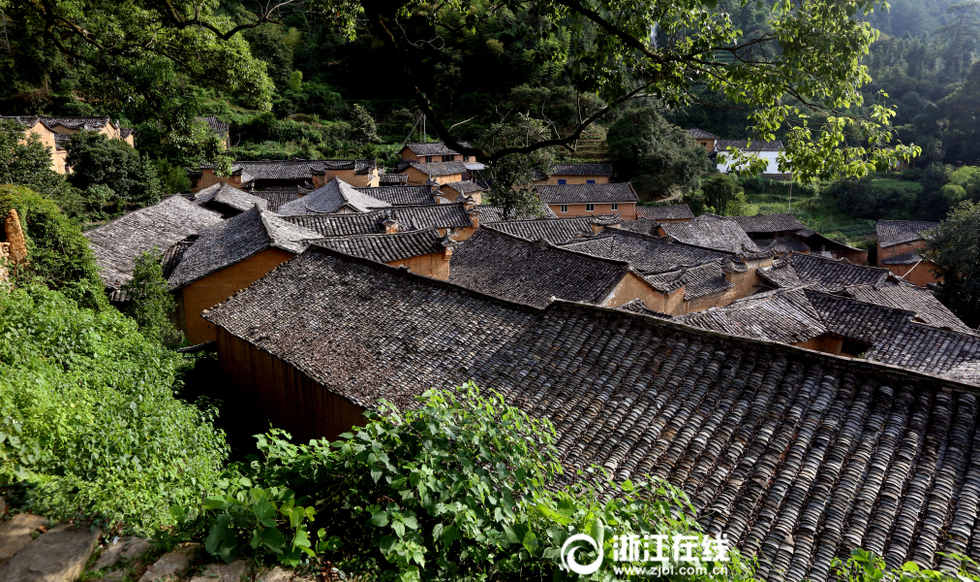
150, 301
363, 128
59, 253
96, 159
855, 197
722, 194
512, 176
954, 246
658, 157
26, 161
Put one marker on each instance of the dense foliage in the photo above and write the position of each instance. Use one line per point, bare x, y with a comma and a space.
457, 489
954, 246
149, 300
58, 252
90, 423
96, 160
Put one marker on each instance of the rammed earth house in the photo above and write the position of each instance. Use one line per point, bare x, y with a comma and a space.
587, 199
797, 456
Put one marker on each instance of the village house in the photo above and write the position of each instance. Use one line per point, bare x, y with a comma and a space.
703, 139
433, 152
334, 197
587, 199
424, 252
766, 150
669, 213
535, 273
459, 221
227, 257
219, 128
118, 243
797, 456
279, 174
689, 278
433, 173
785, 234
713, 232
402, 195
226, 200
54, 133
466, 188
392, 180
578, 174
899, 246
491, 213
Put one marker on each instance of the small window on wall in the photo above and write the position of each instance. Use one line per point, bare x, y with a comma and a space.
562, 181
466, 158
428, 159
590, 207
447, 158
590, 181
564, 207
615, 206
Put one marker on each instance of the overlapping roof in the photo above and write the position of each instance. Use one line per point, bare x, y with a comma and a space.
669, 212
332, 197
441, 216
387, 248
896, 232
582, 170
553, 230
769, 223
713, 232
229, 196
647, 254
586, 193
821, 273
401, 195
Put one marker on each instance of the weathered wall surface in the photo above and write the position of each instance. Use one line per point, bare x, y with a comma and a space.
895, 250
627, 210
216, 287
433, 265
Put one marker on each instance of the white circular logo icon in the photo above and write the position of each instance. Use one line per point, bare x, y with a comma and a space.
568, 555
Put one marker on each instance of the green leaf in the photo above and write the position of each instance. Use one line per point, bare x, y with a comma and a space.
380, 519
273, 539
399, 528
530, 543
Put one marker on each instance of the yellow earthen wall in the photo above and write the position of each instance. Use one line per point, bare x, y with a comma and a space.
895, 250
433, 265
216, 287
575, 179
633, 287
627, 210
922, 273
417, 178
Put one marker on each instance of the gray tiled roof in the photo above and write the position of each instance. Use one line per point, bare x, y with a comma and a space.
909, 258
701, 134
431, 149
713, 232
698, 281
858, 320
387, 248
821, 273
766, 223
582, 170
217, 126
229, 196
236, 239
531, 272
671, 212
401, 195
392, 179
646, 226
782, 315
586, 193
74, 123
296, 169
745, 145
904, 295
276, 197
796, 456
464, 186
442, 216
118, 243
783, 244
332, 197
553, 230
490, 213
932, 350
896, 232
439, 168
647, 254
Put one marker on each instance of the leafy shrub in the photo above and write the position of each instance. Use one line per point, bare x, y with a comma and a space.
58, 252
91, 422
458, 489
96, 159
864, 566
723, 195
150, 301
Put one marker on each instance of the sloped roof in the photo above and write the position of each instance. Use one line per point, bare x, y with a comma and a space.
532, 272
698, 281
909, 258
276, 197
229, 196
713, 232
393, 179
701, 134
765, 223
442, 216
670, 212
386, 248
586, 193
896, 232
904, 295
438, 168
858, 320
553, 230
932, 350
745, 145
796, 456
217, 126
783, 244
272, 169
401, 195
490, 213
235, 240
331, 197
431, 149
782, 315
821, 273
118, 243
464, 186
582, 170
647, 254
646, 226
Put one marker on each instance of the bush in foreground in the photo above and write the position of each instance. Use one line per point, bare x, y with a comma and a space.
89, 422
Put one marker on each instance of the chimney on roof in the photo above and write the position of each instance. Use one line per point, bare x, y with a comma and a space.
448, 245
468, 202
390, 224
433, 184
